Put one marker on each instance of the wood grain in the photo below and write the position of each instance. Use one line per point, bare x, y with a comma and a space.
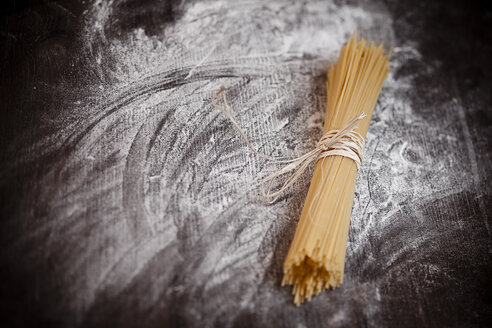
126, 200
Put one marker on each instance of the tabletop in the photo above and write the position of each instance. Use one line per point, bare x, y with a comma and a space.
128, 200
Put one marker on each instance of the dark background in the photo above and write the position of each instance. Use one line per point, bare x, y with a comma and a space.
125, 200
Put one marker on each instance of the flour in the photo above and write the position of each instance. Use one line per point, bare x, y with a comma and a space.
280, 106
171, 188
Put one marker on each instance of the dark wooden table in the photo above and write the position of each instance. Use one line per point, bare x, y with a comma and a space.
127, 200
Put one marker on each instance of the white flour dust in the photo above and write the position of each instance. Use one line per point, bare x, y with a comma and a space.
184, 168
172, 187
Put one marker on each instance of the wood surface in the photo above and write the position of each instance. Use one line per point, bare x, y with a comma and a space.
127, 200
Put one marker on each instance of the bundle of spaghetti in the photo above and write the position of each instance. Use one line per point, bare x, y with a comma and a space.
316, 257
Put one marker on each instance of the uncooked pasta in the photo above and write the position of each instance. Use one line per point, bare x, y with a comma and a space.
316, 257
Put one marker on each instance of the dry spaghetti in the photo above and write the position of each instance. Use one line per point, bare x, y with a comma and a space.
316, 257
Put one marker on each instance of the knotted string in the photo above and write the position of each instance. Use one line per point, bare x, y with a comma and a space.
344, 142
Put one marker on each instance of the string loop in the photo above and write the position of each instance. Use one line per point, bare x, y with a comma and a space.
345, 142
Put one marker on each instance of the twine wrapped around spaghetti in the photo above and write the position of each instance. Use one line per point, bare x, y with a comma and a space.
316, 256
344, 142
